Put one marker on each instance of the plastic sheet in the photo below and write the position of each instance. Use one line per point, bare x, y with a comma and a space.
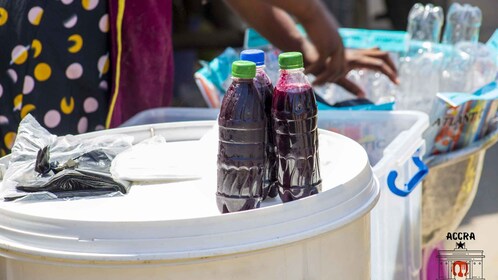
31, 168
154, 160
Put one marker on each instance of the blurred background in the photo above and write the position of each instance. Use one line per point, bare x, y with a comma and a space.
202, 29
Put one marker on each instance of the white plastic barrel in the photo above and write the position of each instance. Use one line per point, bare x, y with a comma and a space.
174, 231
393, 141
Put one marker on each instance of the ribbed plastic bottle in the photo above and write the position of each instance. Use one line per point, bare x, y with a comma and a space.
242, 133
462, 24
424, 27
419, 71
265, 89
294, 115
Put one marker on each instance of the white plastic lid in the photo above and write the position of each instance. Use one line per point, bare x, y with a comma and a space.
181, 220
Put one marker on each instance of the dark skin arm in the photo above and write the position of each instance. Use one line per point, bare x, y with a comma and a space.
325, 56
274, 23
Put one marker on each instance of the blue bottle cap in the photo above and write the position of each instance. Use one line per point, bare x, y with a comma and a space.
254, 55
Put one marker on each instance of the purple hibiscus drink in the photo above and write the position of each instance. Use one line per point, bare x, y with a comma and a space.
294, 116
242, 132
265, 89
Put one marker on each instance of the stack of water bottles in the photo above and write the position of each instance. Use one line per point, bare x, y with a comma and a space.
377, 87
434, 76
459, 64
268, 137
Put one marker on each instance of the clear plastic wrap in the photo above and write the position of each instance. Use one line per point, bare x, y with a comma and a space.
90, 158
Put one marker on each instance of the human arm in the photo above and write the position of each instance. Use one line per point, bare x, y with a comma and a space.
324, 53
373, 59
275, 24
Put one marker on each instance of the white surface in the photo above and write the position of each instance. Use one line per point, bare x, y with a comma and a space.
341, 161
314, 258
390, 138
179, 222
158, 160
396, 221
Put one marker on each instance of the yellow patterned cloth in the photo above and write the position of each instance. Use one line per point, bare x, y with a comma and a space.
54, 64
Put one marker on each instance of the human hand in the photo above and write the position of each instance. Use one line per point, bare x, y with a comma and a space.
324, 52
326, 62
373, 59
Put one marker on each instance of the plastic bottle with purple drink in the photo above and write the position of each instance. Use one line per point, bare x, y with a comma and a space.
265, 89
294, 116
242, 132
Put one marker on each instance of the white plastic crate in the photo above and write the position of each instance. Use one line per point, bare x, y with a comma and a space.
393, 141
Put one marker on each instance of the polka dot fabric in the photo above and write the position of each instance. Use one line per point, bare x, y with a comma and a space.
54, 64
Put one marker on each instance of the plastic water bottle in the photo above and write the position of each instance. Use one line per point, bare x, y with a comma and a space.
419, 82
424, 27
455, 72
419, 71
294, 115
462, 24
468, 67
265, 89
378, 88
242, 132
483, 66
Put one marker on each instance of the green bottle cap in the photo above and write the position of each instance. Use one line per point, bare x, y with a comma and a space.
244, 69
290, 60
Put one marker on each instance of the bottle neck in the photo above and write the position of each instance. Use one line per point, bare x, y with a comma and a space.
292, 71
242, 80
293, 76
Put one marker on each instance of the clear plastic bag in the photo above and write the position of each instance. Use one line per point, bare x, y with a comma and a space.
92, 157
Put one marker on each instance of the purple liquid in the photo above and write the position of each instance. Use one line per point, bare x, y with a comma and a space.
265, 89
241, 154
294, 116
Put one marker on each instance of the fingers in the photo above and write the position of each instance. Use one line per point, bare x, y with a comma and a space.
351, 87
376, 52
321, 78
360, 59
332, 68
376, 64
315, 68
332, 71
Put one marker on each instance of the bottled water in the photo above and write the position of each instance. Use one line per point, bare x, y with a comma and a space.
419, 70
462, 24
419, 81
482, 64
424, 27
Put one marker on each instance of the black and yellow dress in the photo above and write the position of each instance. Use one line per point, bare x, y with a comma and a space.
54, 64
